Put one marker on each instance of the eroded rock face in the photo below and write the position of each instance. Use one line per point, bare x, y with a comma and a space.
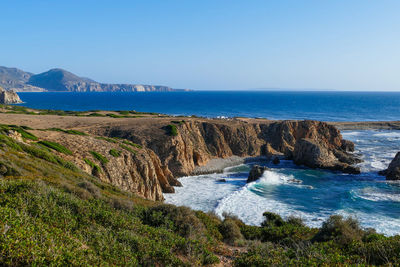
154, 169
255, 173
9, 97
393, 171
314, 154
199, 141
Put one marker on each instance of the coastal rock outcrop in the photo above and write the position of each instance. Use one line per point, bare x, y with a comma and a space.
311, 143
159, 157
313, 154
393, 171
276, 161
9, 97
255, 173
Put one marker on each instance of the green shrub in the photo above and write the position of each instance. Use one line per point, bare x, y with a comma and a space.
112, 115
230, 231
250, 232
115, 153
99, 157
171, 130
95, 114
91, 188
181, 220
26, 134
38, 152
7, 170
272, 219
55, 146
126, 142
110, 140
178, 122
10, 142
296, 221
343, 231
75, 132
96, 170
211, 222
128, 148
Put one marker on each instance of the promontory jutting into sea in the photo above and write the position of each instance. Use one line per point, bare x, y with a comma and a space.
200, 133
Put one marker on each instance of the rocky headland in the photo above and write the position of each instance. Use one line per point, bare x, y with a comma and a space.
149, 156
9, 97
59, 80
393, 170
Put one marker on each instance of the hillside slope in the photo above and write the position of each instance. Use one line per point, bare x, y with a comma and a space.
54, 213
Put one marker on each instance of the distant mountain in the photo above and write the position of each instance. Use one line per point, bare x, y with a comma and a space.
13, 78
59, 80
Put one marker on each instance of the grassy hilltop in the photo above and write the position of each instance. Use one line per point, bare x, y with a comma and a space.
53, 213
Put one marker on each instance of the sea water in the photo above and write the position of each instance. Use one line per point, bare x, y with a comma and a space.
366, 196
326, 106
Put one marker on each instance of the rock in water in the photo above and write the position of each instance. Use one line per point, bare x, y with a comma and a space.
276, 161
393, 171
9, 97
315, 154
255, 173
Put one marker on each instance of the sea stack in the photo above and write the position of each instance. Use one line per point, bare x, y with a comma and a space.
255, 173
393, 171
9, 97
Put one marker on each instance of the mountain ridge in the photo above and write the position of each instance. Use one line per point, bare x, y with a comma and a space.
60, 80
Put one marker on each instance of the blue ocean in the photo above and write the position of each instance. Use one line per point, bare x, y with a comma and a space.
367, 196
326, 106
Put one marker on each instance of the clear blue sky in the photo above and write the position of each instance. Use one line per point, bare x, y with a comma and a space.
209, 44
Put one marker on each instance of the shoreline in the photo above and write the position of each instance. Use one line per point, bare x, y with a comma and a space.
217, 165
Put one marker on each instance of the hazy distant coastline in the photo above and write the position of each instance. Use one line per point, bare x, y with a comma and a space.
59, 80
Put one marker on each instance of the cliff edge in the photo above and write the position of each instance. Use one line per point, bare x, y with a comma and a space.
9, 97
146, 155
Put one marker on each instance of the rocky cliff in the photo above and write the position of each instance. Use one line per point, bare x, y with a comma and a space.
199, 141
153, 158
9, 97
393, 170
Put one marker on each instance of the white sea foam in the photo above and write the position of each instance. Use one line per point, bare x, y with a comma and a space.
249, 206
373, 194
200, 192
348, 133
250, 201
388, 134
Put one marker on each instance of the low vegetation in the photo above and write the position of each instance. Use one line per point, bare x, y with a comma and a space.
126, 142
56, 146
110, 140
172, 130
99, 157
52, 213
16, 109
22, 130
128, 148
96, 170
75, 132
178, 122
115, 153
